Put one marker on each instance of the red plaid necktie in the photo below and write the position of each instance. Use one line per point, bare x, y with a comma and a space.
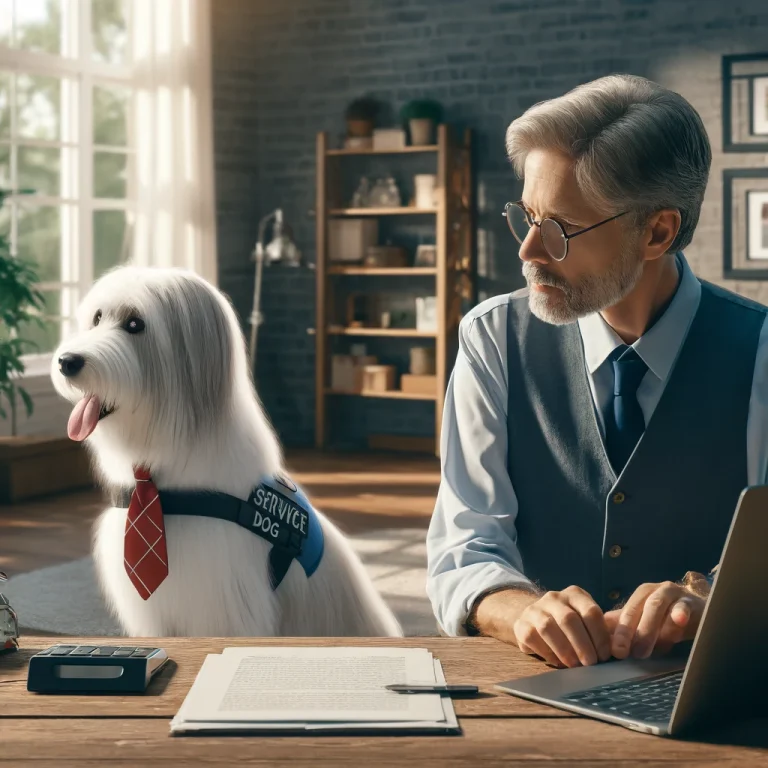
146, 556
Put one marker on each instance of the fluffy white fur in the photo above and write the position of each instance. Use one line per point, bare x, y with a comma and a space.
186, 408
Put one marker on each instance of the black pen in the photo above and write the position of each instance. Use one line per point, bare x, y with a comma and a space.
458, 689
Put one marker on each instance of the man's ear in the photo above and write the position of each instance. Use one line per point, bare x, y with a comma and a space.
661, 231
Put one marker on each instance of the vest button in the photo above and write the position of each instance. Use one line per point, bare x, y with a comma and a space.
614, 594
618, 497
615, 550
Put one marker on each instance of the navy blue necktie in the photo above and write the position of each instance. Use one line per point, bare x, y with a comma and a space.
624, 418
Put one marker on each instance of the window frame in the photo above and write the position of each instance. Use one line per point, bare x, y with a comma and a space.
77, 252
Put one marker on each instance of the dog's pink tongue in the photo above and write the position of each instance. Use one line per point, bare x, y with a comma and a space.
84, 418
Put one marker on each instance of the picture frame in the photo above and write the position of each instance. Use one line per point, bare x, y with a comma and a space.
745, 102
745, 224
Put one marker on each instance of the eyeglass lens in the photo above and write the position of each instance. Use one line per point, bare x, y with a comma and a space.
552, 236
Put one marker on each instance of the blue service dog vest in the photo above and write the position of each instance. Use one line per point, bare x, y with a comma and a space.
670, 508
276, 509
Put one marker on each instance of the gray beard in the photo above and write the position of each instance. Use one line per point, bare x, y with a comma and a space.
593, 293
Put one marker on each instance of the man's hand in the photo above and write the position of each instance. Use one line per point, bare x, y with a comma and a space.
565, 629
655, 617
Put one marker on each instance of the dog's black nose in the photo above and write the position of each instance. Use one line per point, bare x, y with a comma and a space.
70, 365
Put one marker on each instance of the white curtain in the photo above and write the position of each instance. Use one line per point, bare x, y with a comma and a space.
175, 223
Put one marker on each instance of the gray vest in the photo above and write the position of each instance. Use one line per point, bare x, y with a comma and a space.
669, 510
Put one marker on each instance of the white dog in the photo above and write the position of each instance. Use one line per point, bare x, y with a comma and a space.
158, 377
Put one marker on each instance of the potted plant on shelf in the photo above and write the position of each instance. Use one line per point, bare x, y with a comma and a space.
29, 466
421, 116
361, 118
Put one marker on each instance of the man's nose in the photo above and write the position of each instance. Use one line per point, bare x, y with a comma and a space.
71, 364
532, 249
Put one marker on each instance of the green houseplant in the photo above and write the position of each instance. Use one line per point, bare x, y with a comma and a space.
361, 116
41, 464
19, 303
422, 116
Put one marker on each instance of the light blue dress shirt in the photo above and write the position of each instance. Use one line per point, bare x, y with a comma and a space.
471, 542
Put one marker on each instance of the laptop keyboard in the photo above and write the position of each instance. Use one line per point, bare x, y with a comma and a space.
649, 699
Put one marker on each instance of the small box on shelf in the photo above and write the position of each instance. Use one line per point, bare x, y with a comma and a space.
379, 378
347, 372
418, 385
349, 239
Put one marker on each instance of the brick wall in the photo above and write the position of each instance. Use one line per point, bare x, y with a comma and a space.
285, 70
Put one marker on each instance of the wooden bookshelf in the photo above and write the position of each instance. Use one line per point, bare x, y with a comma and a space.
452, 276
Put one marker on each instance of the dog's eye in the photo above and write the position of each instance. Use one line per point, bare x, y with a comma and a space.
134, 325
97, 317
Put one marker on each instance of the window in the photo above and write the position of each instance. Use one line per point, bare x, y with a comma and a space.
66, 136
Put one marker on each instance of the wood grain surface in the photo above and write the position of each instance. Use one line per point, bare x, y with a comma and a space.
496, 729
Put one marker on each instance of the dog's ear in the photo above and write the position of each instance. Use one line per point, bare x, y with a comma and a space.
205, 353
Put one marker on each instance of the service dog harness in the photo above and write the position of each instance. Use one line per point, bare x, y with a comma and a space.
276, 509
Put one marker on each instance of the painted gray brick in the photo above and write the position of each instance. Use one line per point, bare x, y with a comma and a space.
283, 71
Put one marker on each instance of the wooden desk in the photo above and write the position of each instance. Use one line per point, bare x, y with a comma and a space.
497, 728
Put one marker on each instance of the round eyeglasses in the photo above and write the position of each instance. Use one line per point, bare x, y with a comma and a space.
552, 234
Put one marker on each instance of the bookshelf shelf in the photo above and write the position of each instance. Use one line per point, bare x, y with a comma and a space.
382, 271
404, 210
401, 151
394, 394
401, 332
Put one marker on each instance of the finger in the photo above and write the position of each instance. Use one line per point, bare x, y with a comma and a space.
611, 620
550, 631
680, 612
655, 613
594, 622
533, 644
572, 626
628, 621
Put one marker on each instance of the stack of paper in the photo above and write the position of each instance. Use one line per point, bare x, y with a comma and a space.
300, 688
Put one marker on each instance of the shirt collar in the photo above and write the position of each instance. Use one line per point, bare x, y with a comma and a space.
659, 346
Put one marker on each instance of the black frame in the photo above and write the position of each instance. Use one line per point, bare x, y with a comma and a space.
729, 271
727, 78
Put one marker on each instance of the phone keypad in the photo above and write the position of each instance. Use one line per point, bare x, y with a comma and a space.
98, 651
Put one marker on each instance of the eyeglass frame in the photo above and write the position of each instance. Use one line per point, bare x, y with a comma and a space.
521, 205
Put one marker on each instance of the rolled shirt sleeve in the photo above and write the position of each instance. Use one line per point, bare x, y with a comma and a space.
471, 541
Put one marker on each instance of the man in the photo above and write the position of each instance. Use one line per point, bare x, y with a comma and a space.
600, 424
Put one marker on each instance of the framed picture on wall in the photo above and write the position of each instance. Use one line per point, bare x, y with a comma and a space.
745, 102
745, 224
759, 107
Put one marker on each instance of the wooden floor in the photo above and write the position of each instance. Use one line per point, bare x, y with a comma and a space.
359, 492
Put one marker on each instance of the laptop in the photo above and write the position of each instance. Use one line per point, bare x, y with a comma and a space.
722, 676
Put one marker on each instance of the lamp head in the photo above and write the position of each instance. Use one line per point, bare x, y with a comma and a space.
282, 247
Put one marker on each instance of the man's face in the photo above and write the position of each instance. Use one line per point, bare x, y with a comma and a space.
602, 266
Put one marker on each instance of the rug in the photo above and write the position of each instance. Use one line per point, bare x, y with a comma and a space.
66, 599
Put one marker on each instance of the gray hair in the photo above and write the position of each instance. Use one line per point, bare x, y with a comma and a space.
636, 146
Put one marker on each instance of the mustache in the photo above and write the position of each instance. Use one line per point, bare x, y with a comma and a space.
535, 274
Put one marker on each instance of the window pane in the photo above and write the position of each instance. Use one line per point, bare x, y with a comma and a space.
5, 222
6, 21
109, 174
109, 229
110, 31
39, 106
5, 166
38, 25
5, 105
40, 170
110, 115
46, 338
39, 239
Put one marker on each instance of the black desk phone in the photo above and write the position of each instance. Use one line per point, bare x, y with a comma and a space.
94, 669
